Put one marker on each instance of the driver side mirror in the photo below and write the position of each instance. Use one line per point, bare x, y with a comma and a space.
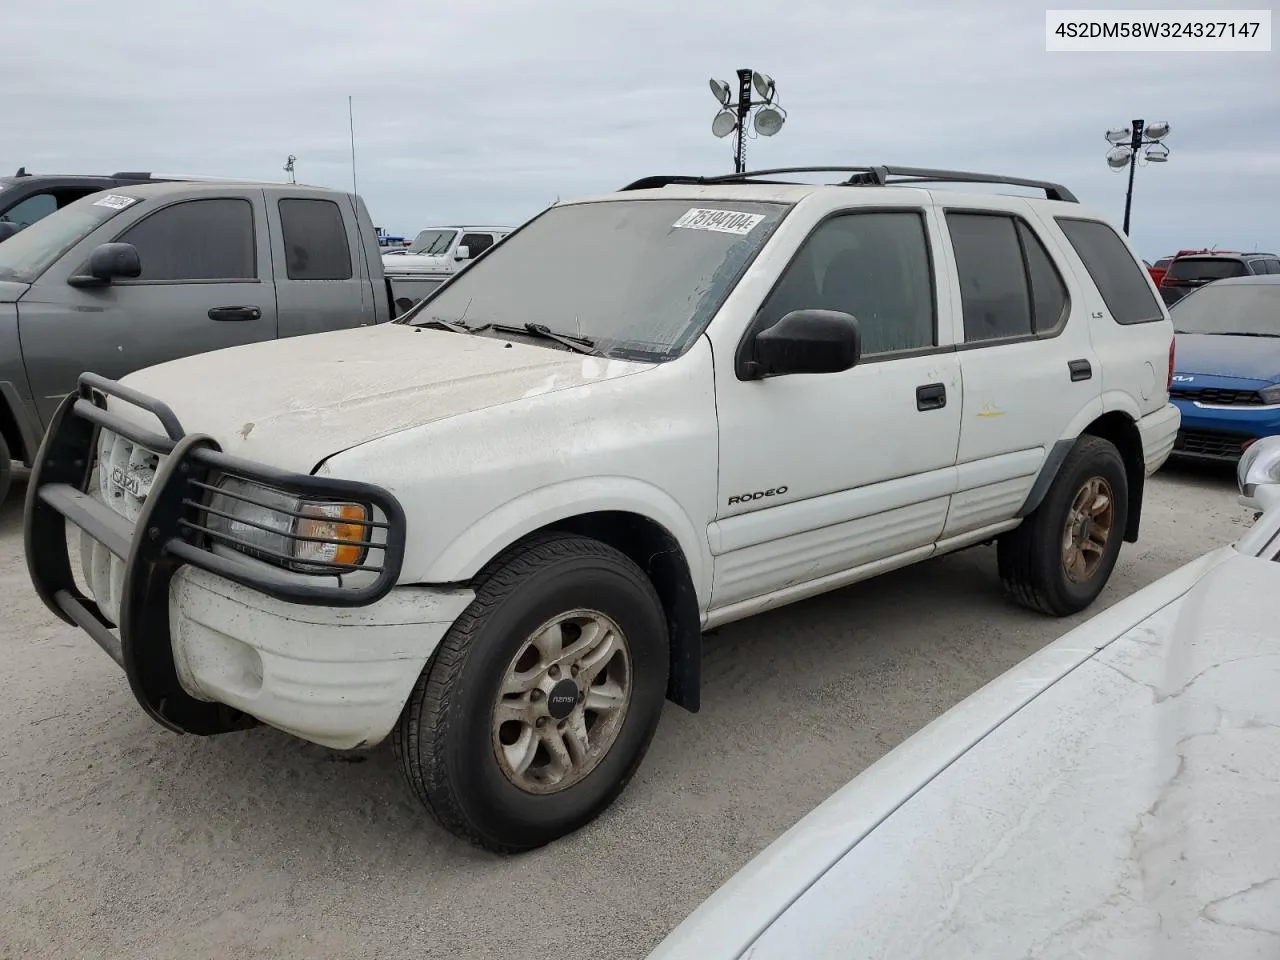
7, 229
804, 341
108, 262
462, 253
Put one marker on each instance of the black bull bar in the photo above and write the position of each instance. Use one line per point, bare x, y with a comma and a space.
171, 531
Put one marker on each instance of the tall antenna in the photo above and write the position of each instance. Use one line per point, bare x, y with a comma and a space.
351, 120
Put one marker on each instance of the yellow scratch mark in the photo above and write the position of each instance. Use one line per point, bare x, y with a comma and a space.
989, 409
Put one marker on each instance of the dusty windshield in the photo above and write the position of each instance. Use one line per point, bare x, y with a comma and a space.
1240, 309
638, 278
432, 243
32, 251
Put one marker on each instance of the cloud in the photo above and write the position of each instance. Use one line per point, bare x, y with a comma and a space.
488, 111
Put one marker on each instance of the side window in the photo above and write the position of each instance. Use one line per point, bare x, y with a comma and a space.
994, 291
875, 266
315, 240
1126, 292
28, 211
1048, 291
476, 243
197, 240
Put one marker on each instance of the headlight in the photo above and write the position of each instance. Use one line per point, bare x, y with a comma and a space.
1270, 394
306, 535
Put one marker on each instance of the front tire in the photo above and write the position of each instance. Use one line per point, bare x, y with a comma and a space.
543, 697
1062, 555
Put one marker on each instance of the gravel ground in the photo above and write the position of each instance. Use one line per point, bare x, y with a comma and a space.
121, 840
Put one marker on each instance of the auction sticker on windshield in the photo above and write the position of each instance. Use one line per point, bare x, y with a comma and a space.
115, 201
721, 221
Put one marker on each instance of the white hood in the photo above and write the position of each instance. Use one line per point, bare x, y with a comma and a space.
292, 403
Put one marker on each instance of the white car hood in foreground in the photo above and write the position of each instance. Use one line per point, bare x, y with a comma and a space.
1102, 799
292, 403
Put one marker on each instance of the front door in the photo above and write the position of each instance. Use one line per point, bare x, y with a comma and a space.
205, 284
820, 474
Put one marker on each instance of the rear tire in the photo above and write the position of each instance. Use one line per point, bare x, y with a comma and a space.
1062, 555
488, 740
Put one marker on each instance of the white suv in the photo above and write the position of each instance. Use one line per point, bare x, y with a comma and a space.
496, 529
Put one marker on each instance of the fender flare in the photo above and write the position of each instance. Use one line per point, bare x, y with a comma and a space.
489, 535
29, 434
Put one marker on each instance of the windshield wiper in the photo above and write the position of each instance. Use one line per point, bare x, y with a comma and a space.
449, 325
580, 344
1242, 333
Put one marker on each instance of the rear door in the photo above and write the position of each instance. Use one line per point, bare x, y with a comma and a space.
322, 282
205, 284
1026, 359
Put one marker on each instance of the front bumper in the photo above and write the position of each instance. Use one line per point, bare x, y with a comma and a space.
215, 641
1221, 433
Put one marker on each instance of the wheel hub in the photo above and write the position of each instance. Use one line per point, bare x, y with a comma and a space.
562, 699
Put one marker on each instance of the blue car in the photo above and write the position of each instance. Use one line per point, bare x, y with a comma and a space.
1226, 376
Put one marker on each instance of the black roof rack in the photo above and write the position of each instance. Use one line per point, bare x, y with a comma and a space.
878, 176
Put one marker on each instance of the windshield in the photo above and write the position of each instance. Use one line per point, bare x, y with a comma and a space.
638, 278
32, 251
432, 243
1250, 309
1205, 268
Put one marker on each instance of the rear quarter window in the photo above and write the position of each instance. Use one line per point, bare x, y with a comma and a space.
1125, 287
1206, 268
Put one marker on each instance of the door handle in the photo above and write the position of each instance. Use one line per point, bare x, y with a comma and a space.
931, 396
1080, 370
235, 313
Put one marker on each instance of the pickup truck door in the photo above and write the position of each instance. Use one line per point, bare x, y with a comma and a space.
205, 284
821, 474
322, 279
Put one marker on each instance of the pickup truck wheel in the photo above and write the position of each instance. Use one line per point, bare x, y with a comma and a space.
6, 469
543, 697
1062, 555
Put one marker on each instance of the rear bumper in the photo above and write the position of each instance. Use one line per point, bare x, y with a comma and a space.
1220, 432
210, 641
1158, 431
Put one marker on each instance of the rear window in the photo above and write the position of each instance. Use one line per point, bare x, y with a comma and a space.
1125, 287
315, 240
1206, 268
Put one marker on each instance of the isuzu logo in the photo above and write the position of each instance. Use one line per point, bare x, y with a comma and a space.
126, 481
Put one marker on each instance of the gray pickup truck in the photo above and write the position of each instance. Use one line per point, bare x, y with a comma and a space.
141, 274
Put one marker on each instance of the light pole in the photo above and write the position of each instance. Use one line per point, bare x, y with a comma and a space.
732, 117
288, 168
1127, 143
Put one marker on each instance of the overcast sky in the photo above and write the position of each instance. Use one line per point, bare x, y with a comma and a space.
488, 111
